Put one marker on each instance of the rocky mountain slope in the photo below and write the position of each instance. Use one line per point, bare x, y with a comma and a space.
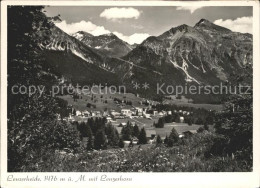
74, 60
108, 44
82, 61
205, 54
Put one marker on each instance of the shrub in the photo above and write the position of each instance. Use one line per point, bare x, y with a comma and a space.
200, 130
121, 143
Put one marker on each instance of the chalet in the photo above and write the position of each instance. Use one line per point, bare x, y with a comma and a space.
139, 111
109, 119
86, 113
126, 143
97, 113
135, 140
181, 135
78, 113
105, 113
160, 114
126, 112
164, 112
115, 115
123, 123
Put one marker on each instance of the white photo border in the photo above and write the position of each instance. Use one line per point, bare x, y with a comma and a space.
166, 179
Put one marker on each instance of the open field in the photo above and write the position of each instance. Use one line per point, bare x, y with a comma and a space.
186, 103
148, 125
102, 101
180, 127
106, 101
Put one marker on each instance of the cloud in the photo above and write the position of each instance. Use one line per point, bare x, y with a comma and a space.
242, 24
120, 13
134, 38
191, 9
99, 30
82, 26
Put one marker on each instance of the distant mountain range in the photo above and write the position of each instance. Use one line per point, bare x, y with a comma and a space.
204, 54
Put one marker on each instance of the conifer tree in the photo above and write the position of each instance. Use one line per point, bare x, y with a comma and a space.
173, 137
32, 126
158, 140
90, 141
142, 137
136, 131
100, 139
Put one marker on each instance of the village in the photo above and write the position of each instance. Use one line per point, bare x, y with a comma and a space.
119, 110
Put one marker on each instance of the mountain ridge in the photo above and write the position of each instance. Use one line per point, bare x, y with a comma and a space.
205, 54
109, 44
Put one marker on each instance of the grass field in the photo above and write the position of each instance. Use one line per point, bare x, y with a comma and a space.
179, 127
148, 125
186, 103
99, 101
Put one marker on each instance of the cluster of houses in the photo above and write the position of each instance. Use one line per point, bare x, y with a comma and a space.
128, 112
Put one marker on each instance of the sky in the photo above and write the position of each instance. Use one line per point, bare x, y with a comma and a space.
135, 24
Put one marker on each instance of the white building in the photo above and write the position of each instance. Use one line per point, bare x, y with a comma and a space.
97, 113
109, 119
126, 112
155, 113
115, 114
139, 111
86, 113
78, 113
160, 114
181, 119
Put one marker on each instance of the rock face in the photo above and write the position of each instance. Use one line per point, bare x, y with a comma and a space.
60, 41
205, 53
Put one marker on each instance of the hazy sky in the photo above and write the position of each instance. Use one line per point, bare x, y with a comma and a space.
134, 24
